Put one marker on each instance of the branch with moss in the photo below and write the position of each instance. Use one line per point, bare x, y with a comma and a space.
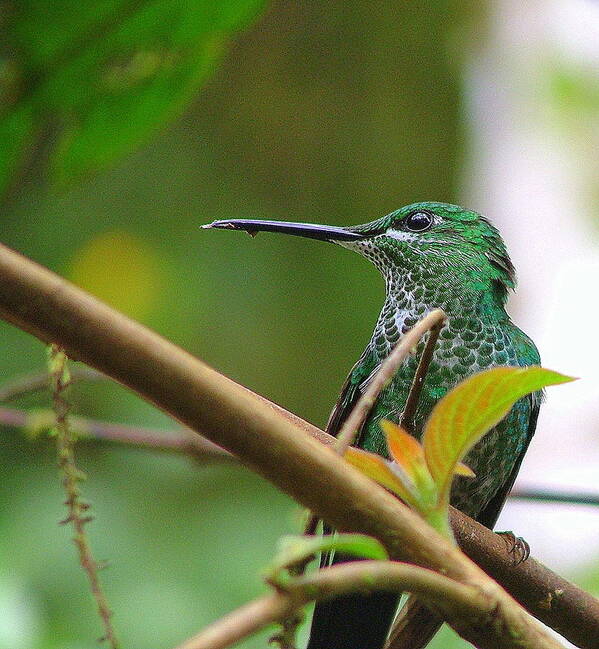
71, 476
275, 446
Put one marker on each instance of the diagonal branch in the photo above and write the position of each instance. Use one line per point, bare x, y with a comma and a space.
552, 599
278, 448
560, 604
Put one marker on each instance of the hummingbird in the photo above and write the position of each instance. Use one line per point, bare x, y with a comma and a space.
430, 255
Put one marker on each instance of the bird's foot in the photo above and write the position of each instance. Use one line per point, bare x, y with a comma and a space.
516, 546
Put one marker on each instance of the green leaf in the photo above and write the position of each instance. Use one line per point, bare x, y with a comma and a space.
105, 74
471, 409
294, 549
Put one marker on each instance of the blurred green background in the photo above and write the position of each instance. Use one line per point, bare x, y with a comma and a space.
127, 125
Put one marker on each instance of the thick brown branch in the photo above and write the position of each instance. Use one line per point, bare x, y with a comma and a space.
355, 577
555, 601
40, 302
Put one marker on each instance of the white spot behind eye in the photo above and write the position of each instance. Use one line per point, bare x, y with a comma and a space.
399, 235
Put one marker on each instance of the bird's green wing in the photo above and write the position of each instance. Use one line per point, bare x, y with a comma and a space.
489, 515
351, 391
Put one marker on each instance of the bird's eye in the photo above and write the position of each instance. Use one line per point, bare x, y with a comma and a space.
418, 221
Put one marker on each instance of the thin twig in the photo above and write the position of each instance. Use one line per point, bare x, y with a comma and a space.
362, 577
187, 442
37, 381
71, 476
182, 440
550, 496
407, 418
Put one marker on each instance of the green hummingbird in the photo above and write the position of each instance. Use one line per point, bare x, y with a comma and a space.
431, 255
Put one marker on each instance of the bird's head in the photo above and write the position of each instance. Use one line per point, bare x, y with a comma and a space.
440, 240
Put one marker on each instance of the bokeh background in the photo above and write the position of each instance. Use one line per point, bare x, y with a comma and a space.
125, 126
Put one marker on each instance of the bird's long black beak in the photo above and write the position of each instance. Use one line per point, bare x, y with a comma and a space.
309, 230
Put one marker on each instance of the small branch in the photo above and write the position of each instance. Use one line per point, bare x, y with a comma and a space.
407, 418
354, 577
182, 441
37, 381
71, 476
188, 442
388, 368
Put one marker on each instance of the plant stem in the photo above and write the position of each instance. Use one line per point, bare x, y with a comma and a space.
355, 577
407, 417
71, 476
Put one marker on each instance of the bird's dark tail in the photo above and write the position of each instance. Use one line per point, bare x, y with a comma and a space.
353, 621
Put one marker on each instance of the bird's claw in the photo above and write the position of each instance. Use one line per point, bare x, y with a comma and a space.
516, 546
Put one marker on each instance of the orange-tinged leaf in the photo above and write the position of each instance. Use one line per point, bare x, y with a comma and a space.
378, 469
405, 449
471, 409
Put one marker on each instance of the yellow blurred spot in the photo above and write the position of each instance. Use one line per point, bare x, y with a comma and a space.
121, 270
